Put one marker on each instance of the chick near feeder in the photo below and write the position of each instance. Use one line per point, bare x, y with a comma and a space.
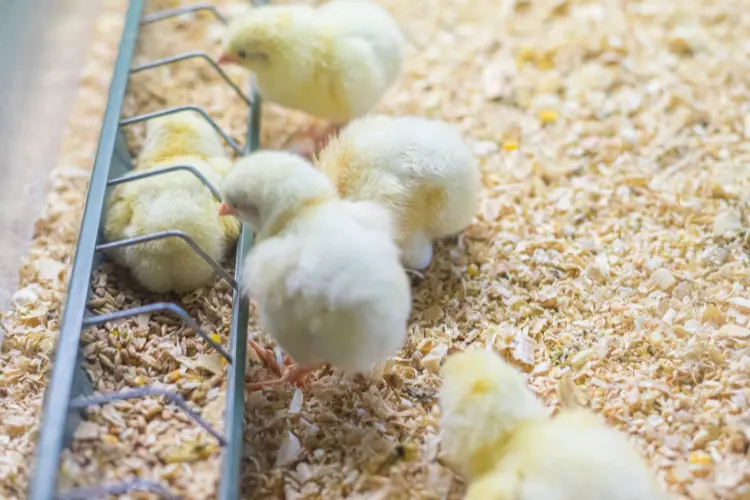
333, 62
499, 435
418, 168
172, 201
324, 273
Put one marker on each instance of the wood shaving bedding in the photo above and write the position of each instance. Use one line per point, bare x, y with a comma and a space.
610, 255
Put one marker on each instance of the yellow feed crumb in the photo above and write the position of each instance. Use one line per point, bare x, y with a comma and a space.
547, 116
699, 458
510, 145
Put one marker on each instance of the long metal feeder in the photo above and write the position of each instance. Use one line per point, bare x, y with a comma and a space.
70, 391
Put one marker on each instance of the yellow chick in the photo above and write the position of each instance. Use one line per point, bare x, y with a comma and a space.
499, 435
324, 273
178, 201
420, 169
334, 61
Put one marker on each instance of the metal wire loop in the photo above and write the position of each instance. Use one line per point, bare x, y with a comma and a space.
179, 109
167, 13
171, 233
142, 392
161, 171
193, 55
158, 307
137, 484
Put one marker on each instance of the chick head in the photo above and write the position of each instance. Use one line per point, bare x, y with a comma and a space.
264, 37
265, 185
180, 134
483, 400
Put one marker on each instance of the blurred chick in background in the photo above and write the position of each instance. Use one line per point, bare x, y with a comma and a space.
334, 61
324, 273
498, 434
177, 200
418, 168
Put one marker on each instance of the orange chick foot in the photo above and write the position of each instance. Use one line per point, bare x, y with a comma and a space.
268, 357
314, 142
296, 376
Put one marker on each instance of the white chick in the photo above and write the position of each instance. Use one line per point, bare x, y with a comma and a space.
178, 201
498, 434
334, 61
324, 273
420, 169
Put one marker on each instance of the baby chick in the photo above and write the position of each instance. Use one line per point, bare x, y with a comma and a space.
420, 169
324, 272
334, 61
177, 200
504, 441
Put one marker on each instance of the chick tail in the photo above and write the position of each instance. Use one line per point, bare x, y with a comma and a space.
170, 264
424, 208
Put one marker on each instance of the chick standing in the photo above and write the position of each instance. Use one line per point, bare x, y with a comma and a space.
178, 201
509, 448
324, 272
334, 61
420, 169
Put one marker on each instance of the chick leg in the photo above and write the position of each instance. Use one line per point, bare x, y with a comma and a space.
416, 251
267, 355
297, 376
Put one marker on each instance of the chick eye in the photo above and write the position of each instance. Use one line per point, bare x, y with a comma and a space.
242, 54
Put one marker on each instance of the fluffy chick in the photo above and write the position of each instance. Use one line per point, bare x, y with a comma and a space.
177, 200
498, 434
324, 272
420, 169
334, 61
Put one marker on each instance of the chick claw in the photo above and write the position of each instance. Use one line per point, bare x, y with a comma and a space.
268, 357
296, 376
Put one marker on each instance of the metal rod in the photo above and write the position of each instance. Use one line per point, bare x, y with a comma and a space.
160, 171
234, 415
171, 233
179, 109
137, 484
193, 55
157, 307
82, 402
58, 394
166, 14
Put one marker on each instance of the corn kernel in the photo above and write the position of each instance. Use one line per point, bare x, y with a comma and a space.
110, 439
115, 332
548, 116
699, 458
473, 270
140, 380
215, 337
510, 145
174, 376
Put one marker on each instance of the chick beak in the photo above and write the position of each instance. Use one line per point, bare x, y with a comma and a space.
226, 58
225, 210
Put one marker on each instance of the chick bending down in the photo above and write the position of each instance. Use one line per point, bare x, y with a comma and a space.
503, 440
420, 169
333, 62
324, 273
176, 201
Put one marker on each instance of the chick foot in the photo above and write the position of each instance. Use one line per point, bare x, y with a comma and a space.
269, 357
296, 376
308, 147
